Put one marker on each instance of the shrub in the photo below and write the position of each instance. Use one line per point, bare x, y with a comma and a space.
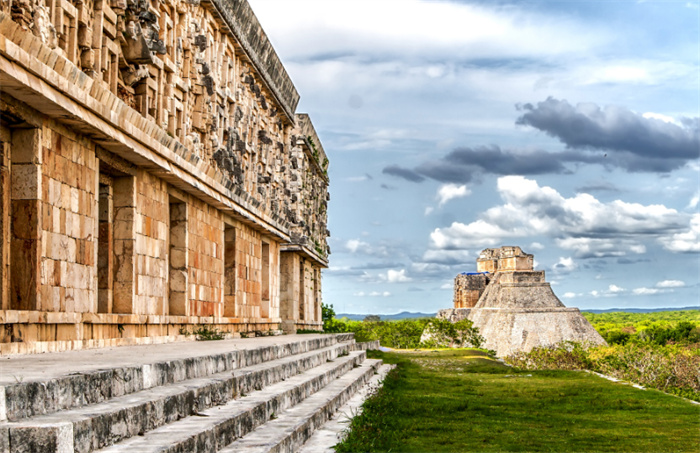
670, 368
441, 333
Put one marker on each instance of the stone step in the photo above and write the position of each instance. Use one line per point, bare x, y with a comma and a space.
365, 345
102, 424
90, 385
214, 428
289, 431
333, 431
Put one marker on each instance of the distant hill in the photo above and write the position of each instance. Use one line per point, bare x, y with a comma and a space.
397, 316
412, 315
641, 310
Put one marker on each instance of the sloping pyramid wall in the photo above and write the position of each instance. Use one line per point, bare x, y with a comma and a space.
519, 316
518, 311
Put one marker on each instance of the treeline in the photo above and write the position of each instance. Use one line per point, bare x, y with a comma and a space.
405, 333
659, 328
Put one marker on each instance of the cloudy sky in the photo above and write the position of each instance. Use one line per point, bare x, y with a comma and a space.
569, 128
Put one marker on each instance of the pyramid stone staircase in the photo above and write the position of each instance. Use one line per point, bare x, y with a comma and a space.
263, 394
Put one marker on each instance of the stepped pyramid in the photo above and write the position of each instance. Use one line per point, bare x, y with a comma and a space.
514, 307
258, 395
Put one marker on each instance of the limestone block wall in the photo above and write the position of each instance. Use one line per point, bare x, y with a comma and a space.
152, 218
69, 246
153, 175
301, 292
468, 289
205, 227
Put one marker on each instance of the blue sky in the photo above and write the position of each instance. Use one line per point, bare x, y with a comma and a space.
569, 128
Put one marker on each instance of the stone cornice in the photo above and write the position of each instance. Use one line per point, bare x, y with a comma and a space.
241, 20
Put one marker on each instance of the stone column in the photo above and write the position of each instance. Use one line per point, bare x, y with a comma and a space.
179, 286
289, 290
26, 235
124, 241
5, 210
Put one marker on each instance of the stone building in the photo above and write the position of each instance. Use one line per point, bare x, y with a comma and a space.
513, 306
154, 176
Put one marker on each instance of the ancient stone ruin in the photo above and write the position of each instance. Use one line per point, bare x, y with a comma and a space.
154, 176
513, 306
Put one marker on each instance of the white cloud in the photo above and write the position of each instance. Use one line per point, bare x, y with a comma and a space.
418, 28
393, 276
687, 241
570, 295
646, 291
428, 210
536, 246
355, 245
476, 234
358, 178
565, 265
614, 289
670, 284
693, 203
449, 192
664, 118
581, 223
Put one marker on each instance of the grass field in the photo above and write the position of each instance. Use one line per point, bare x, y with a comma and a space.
461, 400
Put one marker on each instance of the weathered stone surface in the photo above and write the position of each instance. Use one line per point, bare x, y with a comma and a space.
516, 309
115, 107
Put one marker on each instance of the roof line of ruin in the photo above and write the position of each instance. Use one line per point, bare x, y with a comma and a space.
242, 22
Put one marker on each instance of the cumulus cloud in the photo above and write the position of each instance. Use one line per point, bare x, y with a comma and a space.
686, 241
356, 245
614, 289
582, 223
646, 291
670, 284
640, 143
394, 276
449, 192
565, 265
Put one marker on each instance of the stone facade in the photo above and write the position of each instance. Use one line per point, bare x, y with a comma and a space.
515, 308
154, 176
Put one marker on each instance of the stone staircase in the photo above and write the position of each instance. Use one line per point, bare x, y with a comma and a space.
266, 397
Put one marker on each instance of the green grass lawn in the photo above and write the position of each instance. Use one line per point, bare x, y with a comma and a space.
461, 400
